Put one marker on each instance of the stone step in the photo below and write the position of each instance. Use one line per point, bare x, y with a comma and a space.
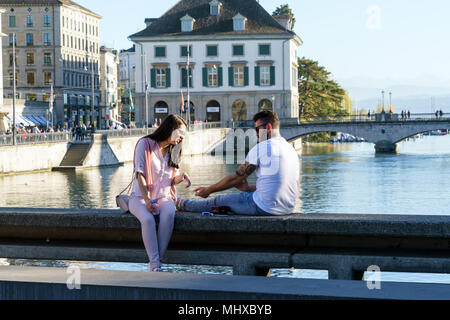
75, 155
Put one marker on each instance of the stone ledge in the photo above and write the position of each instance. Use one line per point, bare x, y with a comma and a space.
314, 224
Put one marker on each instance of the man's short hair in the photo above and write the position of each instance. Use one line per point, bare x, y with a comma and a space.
269, 117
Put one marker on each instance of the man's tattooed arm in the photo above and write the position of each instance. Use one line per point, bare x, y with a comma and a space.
246, 170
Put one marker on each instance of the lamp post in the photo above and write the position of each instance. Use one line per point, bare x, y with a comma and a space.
14, 89
188, 84
144, 57
92, 87
390, 101
382, 95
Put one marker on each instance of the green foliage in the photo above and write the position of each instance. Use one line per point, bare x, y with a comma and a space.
319, 95
284, 9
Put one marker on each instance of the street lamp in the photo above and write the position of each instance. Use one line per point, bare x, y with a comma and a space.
14, 88
382, 94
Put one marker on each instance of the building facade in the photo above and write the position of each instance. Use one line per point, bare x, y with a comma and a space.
3, 110
110, 97
57, 47
239, 59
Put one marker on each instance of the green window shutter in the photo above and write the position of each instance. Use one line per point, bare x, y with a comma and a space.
238, 50
191, 78
264, 50
220, 75
246, 76
183, 77
205, 77
257, 76
160, 52
168, 84
231, 76
272, 76
153, 78
211, 51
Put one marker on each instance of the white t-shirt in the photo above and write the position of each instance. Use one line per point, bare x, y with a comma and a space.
278, 176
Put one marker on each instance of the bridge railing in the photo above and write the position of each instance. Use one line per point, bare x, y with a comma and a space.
388, 117
36, 138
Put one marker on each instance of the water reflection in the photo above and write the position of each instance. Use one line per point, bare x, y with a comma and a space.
335, 178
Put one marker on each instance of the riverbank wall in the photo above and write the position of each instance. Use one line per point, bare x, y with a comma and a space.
104, 151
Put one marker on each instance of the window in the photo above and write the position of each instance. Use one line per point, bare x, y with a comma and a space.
239, 76
184, 78
29, 21
47, 58
187, 23
184, 51
264, 75
211, 51
264, 49
214, 7
30, 40
213, 77
239, 22
11, 37
12, 21
11, 59
160, 78
30, 58
47, 39
31, 97
11, 78
160, 52
30, 78
238, 50
47, 21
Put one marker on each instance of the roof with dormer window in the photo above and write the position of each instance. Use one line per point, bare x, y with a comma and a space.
258, 20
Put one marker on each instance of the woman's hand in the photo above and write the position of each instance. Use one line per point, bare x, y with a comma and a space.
149, 206
184, 177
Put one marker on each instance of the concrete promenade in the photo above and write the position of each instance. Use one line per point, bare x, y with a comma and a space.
35, 283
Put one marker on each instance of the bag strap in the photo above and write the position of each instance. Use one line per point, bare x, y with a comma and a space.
148, 165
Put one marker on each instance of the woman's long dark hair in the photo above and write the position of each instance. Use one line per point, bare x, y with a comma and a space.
164, 132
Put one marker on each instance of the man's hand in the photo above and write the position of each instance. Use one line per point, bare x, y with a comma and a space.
202, 192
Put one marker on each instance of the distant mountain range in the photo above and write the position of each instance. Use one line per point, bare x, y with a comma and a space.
417, 99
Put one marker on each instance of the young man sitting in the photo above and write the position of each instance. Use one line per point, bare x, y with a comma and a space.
277, 166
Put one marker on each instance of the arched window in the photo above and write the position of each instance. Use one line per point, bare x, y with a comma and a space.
213, 111
161, 110
239, 110
265, 104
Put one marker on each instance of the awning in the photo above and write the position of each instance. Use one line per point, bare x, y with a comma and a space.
28, 121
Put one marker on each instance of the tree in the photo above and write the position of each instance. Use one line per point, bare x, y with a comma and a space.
319, 95
284, 9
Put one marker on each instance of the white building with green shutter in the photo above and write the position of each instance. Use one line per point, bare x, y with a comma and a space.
241, 60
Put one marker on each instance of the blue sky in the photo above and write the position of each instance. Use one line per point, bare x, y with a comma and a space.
364, 43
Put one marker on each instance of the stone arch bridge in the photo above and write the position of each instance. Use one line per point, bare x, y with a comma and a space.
384, 134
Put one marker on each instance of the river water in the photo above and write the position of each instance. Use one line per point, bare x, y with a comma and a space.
335, 178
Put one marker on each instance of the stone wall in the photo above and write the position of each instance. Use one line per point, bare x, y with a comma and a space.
35, 157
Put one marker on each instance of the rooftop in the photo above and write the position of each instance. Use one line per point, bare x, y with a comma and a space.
259, 21
6, 3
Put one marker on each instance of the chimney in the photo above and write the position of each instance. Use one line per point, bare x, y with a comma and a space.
285, 21
149, 21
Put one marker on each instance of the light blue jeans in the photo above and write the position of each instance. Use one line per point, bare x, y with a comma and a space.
239, 203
